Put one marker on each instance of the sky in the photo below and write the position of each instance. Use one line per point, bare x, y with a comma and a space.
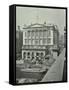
29, 15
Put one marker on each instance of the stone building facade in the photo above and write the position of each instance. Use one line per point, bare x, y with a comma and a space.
37, 38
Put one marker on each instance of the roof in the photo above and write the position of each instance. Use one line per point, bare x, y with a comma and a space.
37, 25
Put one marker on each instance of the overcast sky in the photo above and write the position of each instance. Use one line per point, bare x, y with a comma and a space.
28, 15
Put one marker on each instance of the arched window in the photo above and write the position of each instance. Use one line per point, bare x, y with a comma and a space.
41, 54
24, 55
28, 54
32, 55
37, 54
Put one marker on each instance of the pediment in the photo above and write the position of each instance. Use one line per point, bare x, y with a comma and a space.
35, 25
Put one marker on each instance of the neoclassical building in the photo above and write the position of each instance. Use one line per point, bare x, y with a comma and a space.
37, 37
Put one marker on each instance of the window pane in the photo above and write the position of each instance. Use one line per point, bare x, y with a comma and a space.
24, 55
32, 41
41, 33
37, 34
44, 41
49, 40
32, 55
25, 34
32, 33
49, 33
29, 42
45, 34
36, 42
26, 41
29, 34
40, 41
28, 54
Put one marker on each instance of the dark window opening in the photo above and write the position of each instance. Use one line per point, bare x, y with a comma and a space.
24, 55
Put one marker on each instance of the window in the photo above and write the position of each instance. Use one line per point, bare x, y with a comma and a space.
44, 41
24, 55
36, 42
41, 33
41, 54
28, 54
37, 34
29, 33
49, 40
32, 55
29, 41
40, 41
37, 54
45, 33
49, 33
25, 34
33, 33
32, 42
26, 41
